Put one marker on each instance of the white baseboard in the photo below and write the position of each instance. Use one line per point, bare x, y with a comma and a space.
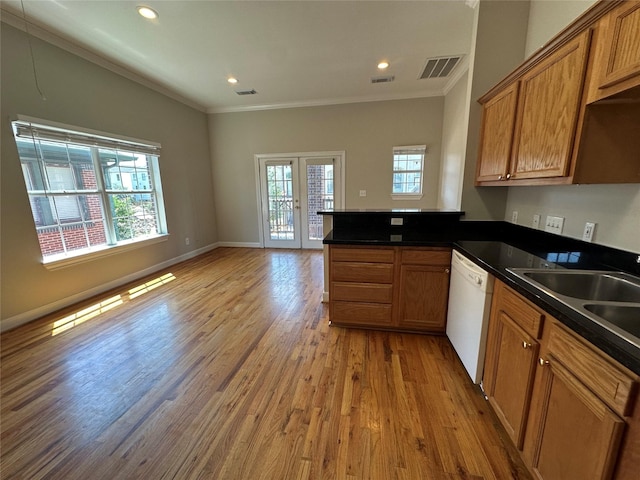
26, 317
239, 244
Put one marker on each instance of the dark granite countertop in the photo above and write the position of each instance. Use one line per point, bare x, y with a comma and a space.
497, 246
496, 257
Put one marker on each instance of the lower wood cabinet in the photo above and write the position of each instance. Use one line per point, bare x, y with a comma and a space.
576, 435
512, 354
571, 410
424, 289
403, 288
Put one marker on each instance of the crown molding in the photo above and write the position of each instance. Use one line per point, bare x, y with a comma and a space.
56, 39
325, 102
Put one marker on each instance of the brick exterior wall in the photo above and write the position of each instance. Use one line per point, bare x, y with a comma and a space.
317, 199
78, 235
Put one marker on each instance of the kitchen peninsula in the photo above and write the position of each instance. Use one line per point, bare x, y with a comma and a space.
359, 237
550, 370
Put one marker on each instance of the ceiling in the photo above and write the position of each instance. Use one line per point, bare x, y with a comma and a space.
293, 53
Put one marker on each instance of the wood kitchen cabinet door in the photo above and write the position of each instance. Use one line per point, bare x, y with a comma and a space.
509, 373
618, 60
577, 435
498, 122
424, 293
549, 105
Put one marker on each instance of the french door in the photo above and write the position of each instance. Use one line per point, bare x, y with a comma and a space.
292, 191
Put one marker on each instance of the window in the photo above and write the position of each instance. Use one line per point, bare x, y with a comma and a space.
408, 163
88, 191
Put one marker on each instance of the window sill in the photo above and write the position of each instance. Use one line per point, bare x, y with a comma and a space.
67, 260
399, 196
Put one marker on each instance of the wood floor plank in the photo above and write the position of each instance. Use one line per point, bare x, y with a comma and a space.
226, 367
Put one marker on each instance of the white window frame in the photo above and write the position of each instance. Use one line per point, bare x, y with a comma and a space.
403, 150
36, 129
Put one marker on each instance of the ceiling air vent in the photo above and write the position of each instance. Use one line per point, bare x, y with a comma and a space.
387, 79
246, 92
440, 67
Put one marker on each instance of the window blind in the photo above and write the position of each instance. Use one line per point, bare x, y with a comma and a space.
25, 129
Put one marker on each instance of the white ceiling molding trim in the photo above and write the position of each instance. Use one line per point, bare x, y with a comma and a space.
326, 102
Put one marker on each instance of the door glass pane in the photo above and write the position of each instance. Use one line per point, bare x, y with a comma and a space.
280, 202
319, 196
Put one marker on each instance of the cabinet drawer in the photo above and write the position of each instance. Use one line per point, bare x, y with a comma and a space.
614, 386
426, 257
525, 315
362, 292
362, 272
370, 314
359, 254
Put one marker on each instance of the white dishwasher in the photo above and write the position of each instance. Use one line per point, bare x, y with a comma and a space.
470, 292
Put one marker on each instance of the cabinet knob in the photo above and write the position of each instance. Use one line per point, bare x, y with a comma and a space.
543, 362
508, 176
526, 345
499, 177
446, 270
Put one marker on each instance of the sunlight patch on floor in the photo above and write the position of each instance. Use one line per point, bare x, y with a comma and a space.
150, 285
96, 309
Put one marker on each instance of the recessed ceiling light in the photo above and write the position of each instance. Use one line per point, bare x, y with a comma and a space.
147, 12
383, 65
232, 80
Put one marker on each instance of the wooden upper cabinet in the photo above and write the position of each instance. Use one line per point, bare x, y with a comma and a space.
576, 103
529, 128
617, 66
498, 122
548, 109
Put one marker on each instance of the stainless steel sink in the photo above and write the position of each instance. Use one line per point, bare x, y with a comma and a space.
610, 299
589, 285
626, 317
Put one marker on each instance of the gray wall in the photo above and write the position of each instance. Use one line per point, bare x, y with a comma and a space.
546, 19
366, 131
454, 140
83, 94
500, 39
615, 208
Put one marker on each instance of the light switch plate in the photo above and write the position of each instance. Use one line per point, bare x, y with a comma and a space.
363, 193
554, 224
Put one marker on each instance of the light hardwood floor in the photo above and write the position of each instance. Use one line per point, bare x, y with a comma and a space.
228, 369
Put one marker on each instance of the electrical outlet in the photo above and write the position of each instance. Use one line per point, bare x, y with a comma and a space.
363, 193
536, 221
554, 224
514, 216
589, 230
187, 241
